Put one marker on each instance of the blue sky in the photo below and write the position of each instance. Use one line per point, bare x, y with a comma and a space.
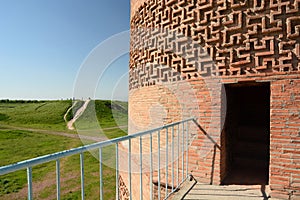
44, 42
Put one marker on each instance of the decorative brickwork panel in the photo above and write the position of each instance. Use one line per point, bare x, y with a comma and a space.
241, 37
123, 191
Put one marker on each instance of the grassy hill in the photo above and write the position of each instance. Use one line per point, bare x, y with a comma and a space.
49, 115
22, 137
35, 114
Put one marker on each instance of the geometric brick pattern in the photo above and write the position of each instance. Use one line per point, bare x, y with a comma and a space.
123, 191
240, 36
161, 55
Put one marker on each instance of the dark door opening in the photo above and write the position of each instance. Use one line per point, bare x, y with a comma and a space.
246, 134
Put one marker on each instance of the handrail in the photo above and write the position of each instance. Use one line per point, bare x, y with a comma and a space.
53, 157
80, 150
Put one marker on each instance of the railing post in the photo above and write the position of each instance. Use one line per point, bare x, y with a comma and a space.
151, 168
57, 179
187, 149
141, 168
178, 152
172, 158
101, 173
29, 181
117, 172
82, 175
158, 141
129, 169
167, 160
182, 151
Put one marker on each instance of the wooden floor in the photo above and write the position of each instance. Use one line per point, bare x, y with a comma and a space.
231, 192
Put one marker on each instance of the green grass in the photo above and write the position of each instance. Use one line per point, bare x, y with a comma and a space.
17, 145
21, 145
42, 115
48, 115
24, 145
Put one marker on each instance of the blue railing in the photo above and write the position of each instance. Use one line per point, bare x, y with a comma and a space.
182, 144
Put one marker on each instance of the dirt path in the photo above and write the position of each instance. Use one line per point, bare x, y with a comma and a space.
69, 110
70, 135
79, 112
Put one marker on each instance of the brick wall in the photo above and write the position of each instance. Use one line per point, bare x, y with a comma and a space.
205, 161
285, 137
179, 73
157, 105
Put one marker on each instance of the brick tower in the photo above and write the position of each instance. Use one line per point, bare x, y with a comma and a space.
232, 64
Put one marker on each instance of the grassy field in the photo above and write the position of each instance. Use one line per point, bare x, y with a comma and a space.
42, 115
49, 115
17, 143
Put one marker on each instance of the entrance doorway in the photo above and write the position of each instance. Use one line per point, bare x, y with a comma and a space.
246, 135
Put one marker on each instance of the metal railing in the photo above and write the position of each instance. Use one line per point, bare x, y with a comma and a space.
182, 148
